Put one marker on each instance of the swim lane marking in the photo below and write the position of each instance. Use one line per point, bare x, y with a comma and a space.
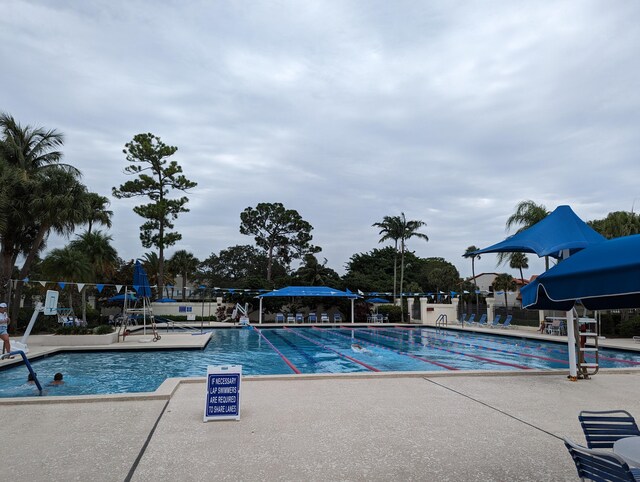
368, 367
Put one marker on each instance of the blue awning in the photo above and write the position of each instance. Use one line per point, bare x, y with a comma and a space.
560, 230
304, 291
604, 276
130, 297
377, 300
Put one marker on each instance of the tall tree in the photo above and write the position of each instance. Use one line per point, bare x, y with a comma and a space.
98, 211
156, 177
280, 232
469, 254
69, 265
315, 273
519, 261
409, 230
102, 257
527, 214
44, 195
391, 229
617, 224
504, 282
185, 264
25, 151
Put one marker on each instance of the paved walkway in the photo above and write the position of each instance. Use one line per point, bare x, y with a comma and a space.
489, 428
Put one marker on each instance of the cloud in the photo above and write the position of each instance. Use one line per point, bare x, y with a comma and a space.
345, 111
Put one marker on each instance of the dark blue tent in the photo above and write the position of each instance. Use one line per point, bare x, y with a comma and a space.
604, 276
304, 291
560, 230
377, 300
141, 281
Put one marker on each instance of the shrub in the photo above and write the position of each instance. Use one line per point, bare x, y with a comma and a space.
103, 330
392, 311
629, 328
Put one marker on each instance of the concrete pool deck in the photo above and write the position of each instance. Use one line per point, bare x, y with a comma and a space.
486, 426
489, 428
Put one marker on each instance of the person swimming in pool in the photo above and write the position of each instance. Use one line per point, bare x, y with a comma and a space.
358, 348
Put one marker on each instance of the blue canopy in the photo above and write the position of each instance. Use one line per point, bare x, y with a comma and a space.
309, 291
560, 230
604, 276
377, 300
141, 281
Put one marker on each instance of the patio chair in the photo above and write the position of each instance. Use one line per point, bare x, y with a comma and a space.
507, 322
600, 465
483, 320
472, 319
463, 319
602, 429
279, 318
379, 318
554, 328
496, 321
312, 318
337, 318
299, 318
324, 318
291, 318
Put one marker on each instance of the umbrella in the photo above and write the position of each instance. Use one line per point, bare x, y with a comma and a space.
165, 300
604, 276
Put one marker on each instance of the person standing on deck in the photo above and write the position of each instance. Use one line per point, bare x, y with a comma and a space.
4, 323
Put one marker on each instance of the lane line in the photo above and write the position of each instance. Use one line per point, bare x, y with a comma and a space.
477, 357
368, 367
286, 360
367, 342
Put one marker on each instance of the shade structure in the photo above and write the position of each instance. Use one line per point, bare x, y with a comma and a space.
312, 291
604, 276
377, 300
559, 231
141, 281
303, 291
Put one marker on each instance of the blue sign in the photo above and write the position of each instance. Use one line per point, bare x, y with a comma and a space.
223, 393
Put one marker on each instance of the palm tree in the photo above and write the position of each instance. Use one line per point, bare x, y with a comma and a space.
519, 261
102, 257
527, 214
29, 160
67, 264
315, 273
504, 282
468, 254
409, 230
185, 264
391, 229
98, 212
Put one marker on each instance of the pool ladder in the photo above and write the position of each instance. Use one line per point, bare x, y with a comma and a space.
585, 367
441, 320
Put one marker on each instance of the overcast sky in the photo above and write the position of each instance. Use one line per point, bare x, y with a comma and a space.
346, 111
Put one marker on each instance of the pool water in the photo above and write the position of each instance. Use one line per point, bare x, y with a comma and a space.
307, 350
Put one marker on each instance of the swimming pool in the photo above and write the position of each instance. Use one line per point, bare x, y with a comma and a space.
297, 350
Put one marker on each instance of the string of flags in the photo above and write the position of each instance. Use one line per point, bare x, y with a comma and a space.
204, 289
